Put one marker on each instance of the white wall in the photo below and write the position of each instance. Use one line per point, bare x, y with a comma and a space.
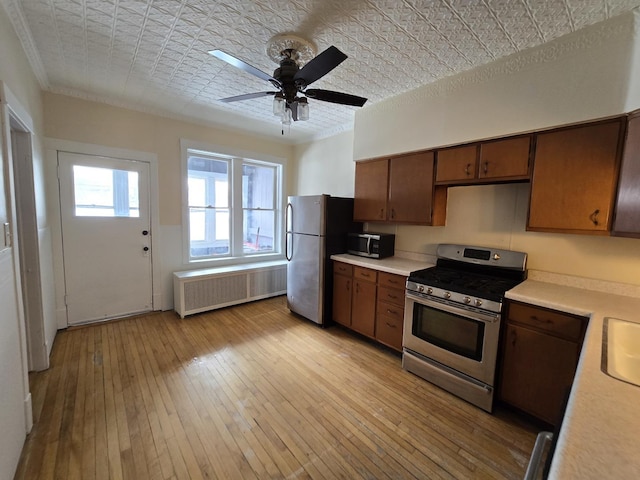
87, 122
325, 166
590, 74
16, 74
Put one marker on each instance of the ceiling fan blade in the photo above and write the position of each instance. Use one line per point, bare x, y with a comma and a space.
335, 97
320, 65
246, 96
236, 62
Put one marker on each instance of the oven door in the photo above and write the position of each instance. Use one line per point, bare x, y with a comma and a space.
464, 340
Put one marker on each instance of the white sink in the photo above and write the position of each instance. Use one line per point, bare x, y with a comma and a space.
621, 349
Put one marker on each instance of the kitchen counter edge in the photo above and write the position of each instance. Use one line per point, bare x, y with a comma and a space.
600, 431
395, 265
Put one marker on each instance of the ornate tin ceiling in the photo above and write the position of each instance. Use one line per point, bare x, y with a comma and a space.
151, 55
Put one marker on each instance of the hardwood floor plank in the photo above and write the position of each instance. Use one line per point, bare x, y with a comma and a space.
247, 392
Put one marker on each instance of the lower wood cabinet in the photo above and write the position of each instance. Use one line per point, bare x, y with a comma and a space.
369, 302
540, 351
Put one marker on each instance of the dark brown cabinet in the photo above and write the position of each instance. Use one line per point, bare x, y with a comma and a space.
390, 310
399, 190
540, 351
342, 288
369, 302
492, 161
363, 303
627, 211
574, 178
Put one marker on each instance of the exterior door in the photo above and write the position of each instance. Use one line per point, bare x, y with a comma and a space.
106, 236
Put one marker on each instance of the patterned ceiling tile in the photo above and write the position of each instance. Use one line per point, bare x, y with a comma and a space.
153, 53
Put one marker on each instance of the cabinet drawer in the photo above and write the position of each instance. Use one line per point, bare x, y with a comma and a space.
391, 295
389, 330
365, 274
343, 268
390, 280
557, 323
391, 311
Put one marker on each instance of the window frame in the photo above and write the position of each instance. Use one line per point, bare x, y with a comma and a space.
236, 159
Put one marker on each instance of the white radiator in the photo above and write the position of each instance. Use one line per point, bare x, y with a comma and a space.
197, 291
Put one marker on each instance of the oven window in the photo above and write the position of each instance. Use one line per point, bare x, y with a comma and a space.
455, 333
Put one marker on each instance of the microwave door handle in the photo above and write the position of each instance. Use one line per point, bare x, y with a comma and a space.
369, 246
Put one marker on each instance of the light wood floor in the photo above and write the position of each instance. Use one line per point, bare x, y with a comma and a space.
252, 392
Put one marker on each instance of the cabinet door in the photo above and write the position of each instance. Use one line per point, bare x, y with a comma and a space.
363, 308
342, 299
574, 179
457, 164
627, 216
537, 371
508, 159
411, 188
371, 186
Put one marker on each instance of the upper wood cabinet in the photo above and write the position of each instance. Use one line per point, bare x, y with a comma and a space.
574, 178
457, 164
492, 161
372, 178
399, 190
627, 214
506, 159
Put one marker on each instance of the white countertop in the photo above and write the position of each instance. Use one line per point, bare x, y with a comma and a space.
600, 434
396, 265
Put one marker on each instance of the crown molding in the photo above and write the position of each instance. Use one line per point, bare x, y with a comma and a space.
13, 9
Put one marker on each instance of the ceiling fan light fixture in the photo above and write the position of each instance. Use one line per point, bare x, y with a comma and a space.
286, 116
303, 109
278, 104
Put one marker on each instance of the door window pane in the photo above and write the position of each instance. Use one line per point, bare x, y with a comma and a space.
105, 192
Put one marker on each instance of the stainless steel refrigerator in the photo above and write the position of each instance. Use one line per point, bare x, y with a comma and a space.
317, 228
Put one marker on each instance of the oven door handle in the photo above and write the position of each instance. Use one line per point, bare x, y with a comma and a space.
481, 317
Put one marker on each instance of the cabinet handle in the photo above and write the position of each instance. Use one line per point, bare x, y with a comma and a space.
594, 216
546, 320
514, 337
365, 274
348, 285
392, 296
392, 312
382, 213
467, 170
390, 325
357, 287
393, 213
485, 169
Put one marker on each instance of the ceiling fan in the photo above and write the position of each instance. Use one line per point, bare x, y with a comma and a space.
291, 80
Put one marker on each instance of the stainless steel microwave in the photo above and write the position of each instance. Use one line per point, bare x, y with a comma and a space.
372, 245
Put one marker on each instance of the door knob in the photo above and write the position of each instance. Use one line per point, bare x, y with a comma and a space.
145, 232
146, 249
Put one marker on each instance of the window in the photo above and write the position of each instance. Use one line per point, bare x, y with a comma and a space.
103, 192
232, 206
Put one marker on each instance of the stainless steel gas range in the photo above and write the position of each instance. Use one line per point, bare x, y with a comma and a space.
452, 318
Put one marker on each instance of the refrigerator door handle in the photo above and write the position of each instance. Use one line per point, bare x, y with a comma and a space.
287, 218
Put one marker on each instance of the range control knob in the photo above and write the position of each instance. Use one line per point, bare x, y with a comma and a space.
496, 256
478, 302
429, 291
447, 295
421, 288
466, 300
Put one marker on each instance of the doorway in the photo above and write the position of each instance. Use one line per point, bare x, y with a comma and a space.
106, 236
